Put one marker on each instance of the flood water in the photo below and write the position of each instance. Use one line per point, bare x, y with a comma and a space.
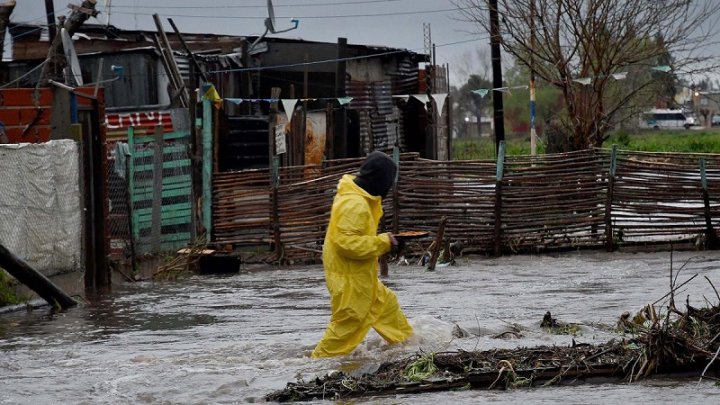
233, 339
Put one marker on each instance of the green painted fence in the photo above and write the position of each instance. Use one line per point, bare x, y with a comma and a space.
160, 186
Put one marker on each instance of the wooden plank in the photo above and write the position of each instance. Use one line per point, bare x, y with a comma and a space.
181, 219
165, 165
168, 211
182, 179
166, 193
167, 186
169, 136
168, 149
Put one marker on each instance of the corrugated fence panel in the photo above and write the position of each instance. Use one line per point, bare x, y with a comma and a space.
242, 207
161, 218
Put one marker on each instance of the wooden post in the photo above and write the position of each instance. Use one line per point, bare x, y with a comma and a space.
275, 174
156, 227
207, 137
500, 167
438, 245
341, 133
329, 132
396, 193
711, 238
171, 63
609, 242
130, 204
35, 280
301, 162
193, 59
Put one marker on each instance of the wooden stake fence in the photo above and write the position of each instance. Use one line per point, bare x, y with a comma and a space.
595, 198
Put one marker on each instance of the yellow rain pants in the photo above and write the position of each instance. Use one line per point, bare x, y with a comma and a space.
358, 299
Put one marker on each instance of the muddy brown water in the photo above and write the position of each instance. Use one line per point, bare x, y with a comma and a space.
234, 339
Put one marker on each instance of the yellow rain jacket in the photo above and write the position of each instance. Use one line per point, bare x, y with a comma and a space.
358, 299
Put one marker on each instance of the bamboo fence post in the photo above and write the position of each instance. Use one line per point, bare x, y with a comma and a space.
711, 238
275, 223
274, 174
610, 244
500, 167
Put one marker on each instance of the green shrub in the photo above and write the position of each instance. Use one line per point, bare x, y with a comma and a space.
8, 295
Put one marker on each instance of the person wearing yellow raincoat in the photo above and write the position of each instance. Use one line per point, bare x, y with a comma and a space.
358, 299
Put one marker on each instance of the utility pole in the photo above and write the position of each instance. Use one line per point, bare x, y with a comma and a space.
533, 134
50, 10
498, 116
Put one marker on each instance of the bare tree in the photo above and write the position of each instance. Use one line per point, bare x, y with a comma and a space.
601, 40
475, 62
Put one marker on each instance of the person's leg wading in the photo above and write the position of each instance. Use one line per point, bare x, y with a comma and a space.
344, 333
391, 323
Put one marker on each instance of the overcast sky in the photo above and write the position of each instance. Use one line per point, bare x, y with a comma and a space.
393, 23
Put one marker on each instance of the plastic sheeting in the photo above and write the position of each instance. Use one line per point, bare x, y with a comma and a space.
40, 204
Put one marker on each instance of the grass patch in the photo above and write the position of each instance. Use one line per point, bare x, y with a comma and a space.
8, 295
678, 141
484, 148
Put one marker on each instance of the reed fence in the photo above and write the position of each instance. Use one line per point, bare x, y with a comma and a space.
593, 198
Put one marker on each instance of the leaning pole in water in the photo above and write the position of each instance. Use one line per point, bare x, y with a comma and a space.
35, 280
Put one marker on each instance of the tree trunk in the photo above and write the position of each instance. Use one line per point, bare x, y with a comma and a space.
56, 56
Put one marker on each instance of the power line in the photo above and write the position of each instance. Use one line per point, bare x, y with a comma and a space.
334, 3
314, 17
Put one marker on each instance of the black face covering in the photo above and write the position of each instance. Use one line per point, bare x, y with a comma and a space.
377, 174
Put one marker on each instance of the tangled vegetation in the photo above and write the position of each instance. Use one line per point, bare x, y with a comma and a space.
674, 341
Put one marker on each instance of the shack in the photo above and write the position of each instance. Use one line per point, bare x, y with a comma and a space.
320, 100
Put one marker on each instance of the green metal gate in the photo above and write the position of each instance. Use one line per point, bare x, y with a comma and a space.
160, 184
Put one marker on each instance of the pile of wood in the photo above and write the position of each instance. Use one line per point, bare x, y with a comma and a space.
676, 342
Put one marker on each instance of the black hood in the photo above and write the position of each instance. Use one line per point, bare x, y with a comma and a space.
377, 174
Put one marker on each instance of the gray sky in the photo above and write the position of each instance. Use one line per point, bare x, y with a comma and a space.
393, 23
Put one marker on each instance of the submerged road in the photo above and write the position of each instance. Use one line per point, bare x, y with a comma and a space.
233, 339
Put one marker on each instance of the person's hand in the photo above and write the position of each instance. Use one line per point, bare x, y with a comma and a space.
393, 240
397, 245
